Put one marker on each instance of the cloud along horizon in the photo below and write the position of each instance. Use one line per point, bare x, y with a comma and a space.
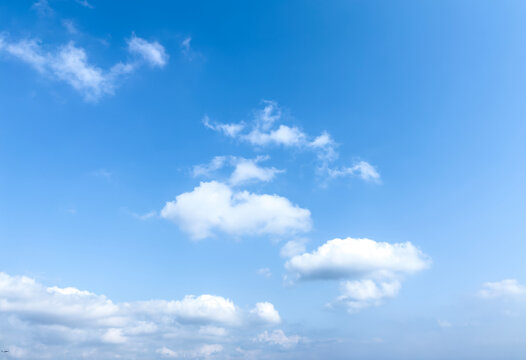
35, 316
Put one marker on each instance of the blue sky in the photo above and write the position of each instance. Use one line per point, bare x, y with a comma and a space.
273, 180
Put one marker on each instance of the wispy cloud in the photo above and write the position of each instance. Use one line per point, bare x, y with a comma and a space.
268, 130
69, 63
43, 8
84, 3
245, 170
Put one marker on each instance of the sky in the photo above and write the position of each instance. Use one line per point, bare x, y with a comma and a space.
262, 180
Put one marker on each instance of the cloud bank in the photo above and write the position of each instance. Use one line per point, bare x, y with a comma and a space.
36, 318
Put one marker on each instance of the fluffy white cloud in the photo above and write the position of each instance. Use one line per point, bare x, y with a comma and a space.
278, 337
69, 63
349, 258
504, 288
265, 311
373, 270
34, 319
151, 52
234, 212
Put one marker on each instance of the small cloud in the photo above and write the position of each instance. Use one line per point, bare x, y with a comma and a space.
84, 3
362, 169
145, 216
278, 337
103, 174
152, 52
265, 272
43, 8
508, 288
265, 312
293, 248
70, 26
444, 323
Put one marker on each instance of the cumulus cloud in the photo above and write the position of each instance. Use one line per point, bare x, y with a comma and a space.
508, 288
69, 63
278, 337
35, 318
234, 212
265, 311
370, 270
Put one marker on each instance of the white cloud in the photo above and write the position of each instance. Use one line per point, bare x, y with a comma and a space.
152, 52
84, 3
35, 319
348, 258
69, 63
506, 288
293, 248
360, 294
208, 169
278, 337
70, 26
362, 169
234, 212
204, 351
266, 129
43, 8
114, 336
145, 216
210, 330
265, 311
444, 324
230, 130
372, 270
245, 170
265, 272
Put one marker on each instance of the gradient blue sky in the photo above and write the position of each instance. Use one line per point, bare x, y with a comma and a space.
422, 101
